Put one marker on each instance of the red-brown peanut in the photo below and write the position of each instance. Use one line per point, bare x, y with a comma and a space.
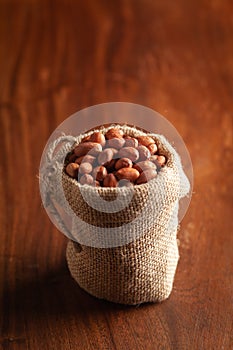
86, 179
79, 160
130, 174
161, 160
123, 163
144, 165
71, 158
128, 152
85, 168
105, 156
116, 143
145, 140
110, 181
87, 147
144, 153
98, 137
110, 166
86, 138
124, 182
114, 133
99, 173
146, 176
72, 169
88, 159
152, 148
154, 158
131, 142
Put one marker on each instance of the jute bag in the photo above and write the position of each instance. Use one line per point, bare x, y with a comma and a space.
127, 254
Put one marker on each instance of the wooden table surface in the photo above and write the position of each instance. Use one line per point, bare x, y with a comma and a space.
58, 57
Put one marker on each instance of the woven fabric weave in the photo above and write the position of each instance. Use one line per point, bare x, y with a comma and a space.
142, 266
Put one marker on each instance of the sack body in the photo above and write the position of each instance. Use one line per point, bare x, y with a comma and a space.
125, 247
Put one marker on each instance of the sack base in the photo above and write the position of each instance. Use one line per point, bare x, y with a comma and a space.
114, 275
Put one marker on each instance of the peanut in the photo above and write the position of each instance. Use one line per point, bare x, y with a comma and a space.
144, 153
79, 160
110, 181
161, 160
114, 133
158, 160
87, 147
116, 142
145, 140
99, 173
105, 156
124, 182
154, 158
131, 142
95, 151
85, 139
152, 148
86, 179
88, 159
130, 174
114, 151
128, 152
146, 176
144, 165
85, 168
72, 169
110, 166
98, 137
123, 163
71, 158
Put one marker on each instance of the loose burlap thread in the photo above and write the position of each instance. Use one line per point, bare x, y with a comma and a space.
136, 262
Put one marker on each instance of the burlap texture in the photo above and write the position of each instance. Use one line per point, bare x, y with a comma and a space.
143, 269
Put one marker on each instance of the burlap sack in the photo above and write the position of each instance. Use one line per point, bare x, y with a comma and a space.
129, 256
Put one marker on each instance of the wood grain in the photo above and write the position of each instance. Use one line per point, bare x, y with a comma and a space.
60, 56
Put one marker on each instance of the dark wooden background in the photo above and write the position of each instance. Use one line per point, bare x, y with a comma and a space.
60, 56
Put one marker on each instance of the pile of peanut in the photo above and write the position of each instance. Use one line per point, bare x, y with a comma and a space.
114, 159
